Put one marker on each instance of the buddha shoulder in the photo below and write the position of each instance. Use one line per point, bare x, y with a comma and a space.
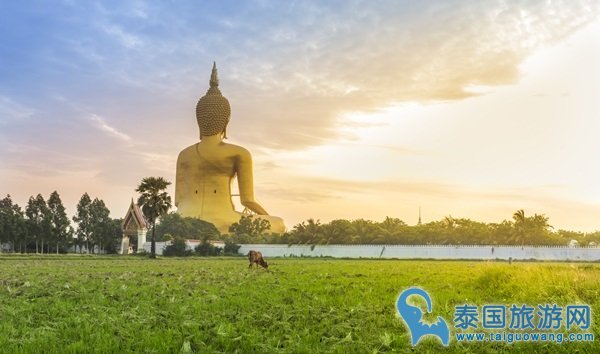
190, 150
236, 151
220, 149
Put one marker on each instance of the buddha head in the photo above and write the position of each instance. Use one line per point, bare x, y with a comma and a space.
213, 110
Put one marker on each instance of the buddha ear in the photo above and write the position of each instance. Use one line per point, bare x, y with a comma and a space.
223, 133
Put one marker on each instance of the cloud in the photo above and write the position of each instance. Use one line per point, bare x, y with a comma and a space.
23, 159
339, 198
295, 81
163, 163
338, 188
291, 70
126, 39
101, 124
11, 110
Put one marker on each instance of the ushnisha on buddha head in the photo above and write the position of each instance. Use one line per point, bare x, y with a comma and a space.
213, 111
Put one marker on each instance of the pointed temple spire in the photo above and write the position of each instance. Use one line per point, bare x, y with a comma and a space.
214, 76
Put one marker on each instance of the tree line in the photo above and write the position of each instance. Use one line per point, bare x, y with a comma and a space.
519, 230
43, 227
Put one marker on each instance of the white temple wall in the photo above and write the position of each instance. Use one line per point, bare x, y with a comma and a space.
558, 253
549, 253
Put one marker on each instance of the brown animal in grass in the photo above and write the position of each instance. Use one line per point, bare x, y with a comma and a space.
256, 257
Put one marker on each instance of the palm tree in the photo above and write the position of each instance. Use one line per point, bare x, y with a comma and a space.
449, 222
391, 226
365, 231
389, 230
154, 202
520, 223
519, 217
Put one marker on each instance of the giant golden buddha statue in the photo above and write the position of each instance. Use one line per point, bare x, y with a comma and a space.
206, 170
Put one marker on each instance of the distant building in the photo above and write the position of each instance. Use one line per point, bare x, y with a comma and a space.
134, 225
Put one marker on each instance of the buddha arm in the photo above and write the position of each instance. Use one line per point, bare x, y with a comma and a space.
246, 183
177, 182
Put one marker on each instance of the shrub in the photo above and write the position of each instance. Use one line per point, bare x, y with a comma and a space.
207, 249
141, 253
231, 249
177, 248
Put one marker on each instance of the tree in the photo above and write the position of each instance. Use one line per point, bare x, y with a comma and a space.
519, 218
83, 220
154, 202
449, 222
100, 226
12, 223
391, 228
539, 230
307, 232
532, 230
500, 233
185, 227
112, 236
365, 231
472, 232
249, 228
518, 233
38, 220
337, 232
60, 227
95, 227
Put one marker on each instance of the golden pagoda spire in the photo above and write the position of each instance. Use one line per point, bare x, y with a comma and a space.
214, 76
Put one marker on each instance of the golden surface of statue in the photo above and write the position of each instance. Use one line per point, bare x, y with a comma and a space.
206, 170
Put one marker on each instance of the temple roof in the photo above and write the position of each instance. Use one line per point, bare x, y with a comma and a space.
134, 213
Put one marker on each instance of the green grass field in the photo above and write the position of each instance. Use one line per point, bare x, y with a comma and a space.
130, 304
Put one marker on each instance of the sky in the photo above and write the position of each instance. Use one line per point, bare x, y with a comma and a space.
351, 109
